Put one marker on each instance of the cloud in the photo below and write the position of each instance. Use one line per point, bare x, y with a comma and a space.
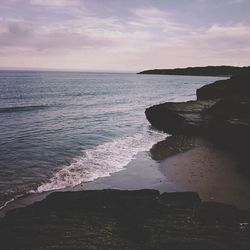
55, 3
155, 18
87, 31
218, 37
13, 32
237, 1
65, 33
23, 34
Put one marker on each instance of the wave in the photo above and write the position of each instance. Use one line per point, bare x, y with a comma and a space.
22, 108
6, 203
102, 160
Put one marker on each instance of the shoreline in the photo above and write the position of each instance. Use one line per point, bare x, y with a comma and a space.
177, 164
141, 173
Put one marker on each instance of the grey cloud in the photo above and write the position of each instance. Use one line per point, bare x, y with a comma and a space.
14, 32
60, 40
55, 3
224, 37
26, 35
19, 30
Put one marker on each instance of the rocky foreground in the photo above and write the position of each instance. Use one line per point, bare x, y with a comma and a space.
112, 219
221, 113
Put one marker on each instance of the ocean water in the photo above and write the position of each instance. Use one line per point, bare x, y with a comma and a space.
58, 129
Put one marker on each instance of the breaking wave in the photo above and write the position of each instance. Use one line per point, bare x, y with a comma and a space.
102, 160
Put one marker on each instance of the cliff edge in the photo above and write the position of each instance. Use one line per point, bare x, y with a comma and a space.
221, 113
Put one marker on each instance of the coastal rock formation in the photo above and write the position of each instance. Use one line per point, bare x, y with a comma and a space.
235, 86
221, 113
223, 104
179, 118
112, 219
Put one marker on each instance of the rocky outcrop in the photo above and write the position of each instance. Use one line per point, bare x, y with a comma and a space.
221, 105
228, 124
179, 118
221, 113
112, 219
235, 86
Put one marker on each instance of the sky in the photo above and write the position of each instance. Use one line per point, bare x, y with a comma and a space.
123, 35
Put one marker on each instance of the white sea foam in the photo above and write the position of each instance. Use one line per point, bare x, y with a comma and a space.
102, 160
6, 203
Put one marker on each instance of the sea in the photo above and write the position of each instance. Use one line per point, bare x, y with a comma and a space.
60, 129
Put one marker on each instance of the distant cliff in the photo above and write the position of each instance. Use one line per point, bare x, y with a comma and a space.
201, 71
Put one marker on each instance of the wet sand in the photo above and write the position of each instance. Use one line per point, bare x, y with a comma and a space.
140, 173
211, 172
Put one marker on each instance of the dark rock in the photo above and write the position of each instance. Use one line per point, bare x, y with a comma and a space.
174, 144
221, 113
179, 118
112, 219
232, 114
235, 86
228, 124
223, 104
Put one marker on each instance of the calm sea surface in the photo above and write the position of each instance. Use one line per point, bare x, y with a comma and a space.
58, 129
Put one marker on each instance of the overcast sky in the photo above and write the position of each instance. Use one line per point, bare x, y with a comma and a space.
123, 35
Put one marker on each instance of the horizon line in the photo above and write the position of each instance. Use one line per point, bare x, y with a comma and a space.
63, 70
100, 70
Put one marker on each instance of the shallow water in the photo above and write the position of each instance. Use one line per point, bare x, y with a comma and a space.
58, 129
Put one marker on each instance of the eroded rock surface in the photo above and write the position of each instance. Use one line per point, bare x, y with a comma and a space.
180, 117
221, 112
112, 219
235, 86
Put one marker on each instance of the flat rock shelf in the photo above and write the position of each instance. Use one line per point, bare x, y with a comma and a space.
113, 219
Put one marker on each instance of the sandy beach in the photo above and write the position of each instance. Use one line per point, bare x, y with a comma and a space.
211, 172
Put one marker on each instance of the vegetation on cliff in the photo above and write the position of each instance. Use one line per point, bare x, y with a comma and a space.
200, 71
